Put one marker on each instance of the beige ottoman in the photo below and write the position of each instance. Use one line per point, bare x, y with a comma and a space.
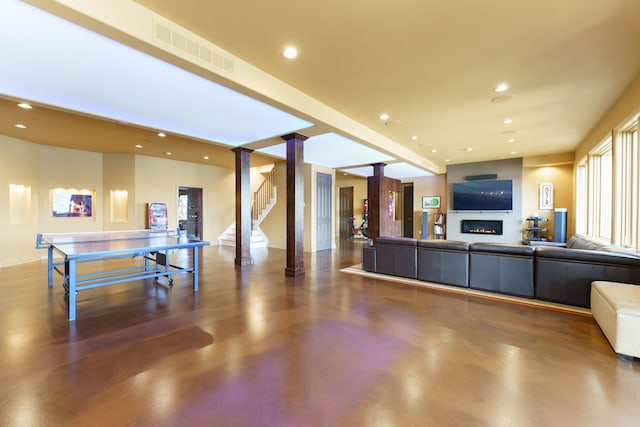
616, 309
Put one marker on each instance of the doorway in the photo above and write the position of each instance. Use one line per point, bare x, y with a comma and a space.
345, 211
407, 210
190, 211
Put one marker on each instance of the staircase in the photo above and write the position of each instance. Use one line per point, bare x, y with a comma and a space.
264, 199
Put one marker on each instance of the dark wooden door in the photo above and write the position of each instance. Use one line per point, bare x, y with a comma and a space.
345, 210
407, 210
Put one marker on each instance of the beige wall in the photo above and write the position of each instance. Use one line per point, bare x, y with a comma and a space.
158, 180
19, 165
43, 168
563, 195
65, 168
434, 185
118, 174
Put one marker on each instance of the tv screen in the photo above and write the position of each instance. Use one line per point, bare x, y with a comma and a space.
490, 195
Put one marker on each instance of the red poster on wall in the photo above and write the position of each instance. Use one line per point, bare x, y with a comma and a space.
157, 217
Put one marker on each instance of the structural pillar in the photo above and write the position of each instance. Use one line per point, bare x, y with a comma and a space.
243, 206
383, 193
295, 204
374, 194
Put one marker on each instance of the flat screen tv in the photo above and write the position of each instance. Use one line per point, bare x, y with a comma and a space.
489, 195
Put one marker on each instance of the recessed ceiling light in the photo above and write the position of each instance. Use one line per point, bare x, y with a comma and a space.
434, 151
384, 116
206, 157
25, 105
507, 121
447, 160
138, 146
290, 52
467, 149
162, 134
514, 152
502, 87
414, 137
510, 140
168, 153
20, 126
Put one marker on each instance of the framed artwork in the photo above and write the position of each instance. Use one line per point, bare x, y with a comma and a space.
431, 202
157, 218
546, 195
70, 204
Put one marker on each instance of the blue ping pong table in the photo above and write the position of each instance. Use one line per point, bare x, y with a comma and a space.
153, 247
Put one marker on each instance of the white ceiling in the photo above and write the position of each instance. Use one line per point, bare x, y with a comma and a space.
431, 65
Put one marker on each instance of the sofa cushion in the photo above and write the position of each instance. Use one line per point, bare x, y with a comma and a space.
621, 250
503, 248
403, 241
578, 241
444, 244
584, 255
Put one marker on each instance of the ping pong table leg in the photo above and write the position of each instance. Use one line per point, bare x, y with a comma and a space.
70, 272
50, 267
195, 269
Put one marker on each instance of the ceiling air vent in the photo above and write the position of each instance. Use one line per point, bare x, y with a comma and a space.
195, 49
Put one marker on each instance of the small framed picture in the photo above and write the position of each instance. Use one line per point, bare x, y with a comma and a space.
431, 202
546, 195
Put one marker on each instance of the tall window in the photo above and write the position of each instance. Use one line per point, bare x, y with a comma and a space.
608, 189
599, 191
627, 164
628, 183
581, 198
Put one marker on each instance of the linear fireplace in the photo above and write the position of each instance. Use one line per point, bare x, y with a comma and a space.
481, 226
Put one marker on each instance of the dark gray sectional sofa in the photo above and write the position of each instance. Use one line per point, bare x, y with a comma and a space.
550, 273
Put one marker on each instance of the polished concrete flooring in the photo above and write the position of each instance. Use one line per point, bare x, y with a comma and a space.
256, 348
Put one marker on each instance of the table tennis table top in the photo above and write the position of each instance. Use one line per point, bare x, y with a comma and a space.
109, 242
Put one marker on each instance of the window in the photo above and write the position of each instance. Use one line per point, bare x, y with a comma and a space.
608, 189
599, 191
626, 190
627, 213
581, 198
